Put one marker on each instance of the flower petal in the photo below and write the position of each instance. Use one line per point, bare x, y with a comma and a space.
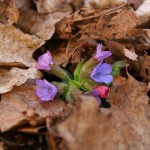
104, 54
44, 61
102, 78
98, 50
45, 91
104, 69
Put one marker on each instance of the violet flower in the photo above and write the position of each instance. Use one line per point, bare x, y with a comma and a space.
44, 61
45, 91
101, 73
101, 55
95, 93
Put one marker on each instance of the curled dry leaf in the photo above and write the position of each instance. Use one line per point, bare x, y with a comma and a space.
86, 24
139, 64
16, 77
16, 46
8, 12
21, 106
41, 25
124, 126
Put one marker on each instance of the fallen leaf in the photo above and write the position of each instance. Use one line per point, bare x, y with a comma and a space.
21, 106
2, 147
103, 3
8, 12
138, 64
143, 13
49, 6
41, 25
123, 126
16, 77
87, 24
145, 68
17, 47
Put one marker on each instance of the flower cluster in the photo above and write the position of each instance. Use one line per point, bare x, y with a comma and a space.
96, 82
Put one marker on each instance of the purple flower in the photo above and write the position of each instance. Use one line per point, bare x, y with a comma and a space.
44, 61
101, 73
95, 93
101, 55
45, 91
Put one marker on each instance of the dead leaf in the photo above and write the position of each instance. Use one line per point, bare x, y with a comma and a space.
2, 147
139, 64
21, 106
124, 126
41, 25
24, 4
16, 77
145, 68
143, 13
86, 24
49, 6
103, 3
8, 12
16, 46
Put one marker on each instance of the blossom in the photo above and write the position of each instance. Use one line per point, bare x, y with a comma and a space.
45, 91
101, 55
103, 91
101, 73
44, 61
95, 93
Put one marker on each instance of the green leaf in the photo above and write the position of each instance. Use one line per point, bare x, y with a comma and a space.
117, 66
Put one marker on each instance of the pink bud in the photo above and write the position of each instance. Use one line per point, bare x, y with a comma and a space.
103, 91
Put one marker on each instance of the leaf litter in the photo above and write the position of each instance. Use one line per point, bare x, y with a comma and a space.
71, 32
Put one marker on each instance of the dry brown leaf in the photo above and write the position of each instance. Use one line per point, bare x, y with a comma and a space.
21, 106
24, 4
143, 13
8, 12
41, 25
16, 77
102, 3
145, 68
2, 147
49, 6
139, 64
16, 46
124, 126
86, 24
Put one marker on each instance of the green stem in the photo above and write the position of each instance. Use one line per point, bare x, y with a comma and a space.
59, 72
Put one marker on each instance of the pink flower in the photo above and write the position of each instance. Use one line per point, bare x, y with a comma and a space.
103, 91
101, 55
45, 91
44, 61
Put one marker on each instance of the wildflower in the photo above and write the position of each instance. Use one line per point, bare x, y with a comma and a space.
103, 91
45, 91
101, 55
44, 61
101, 73
95, 93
